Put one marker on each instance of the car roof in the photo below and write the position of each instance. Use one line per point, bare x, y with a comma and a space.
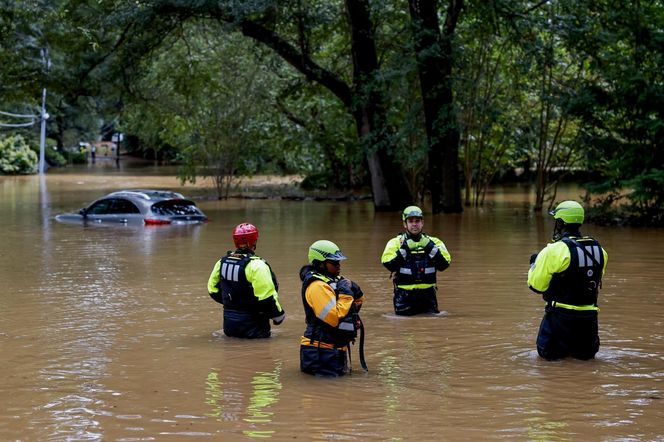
146, 194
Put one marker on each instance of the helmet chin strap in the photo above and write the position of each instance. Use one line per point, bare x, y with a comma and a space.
558, 229
319, 266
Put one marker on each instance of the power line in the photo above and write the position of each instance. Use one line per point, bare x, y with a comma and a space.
9, 114
32, 123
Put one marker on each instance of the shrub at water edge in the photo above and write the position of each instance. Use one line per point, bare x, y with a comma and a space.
16, 157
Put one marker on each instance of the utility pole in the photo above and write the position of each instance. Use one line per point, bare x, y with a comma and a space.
44, 116
42, 135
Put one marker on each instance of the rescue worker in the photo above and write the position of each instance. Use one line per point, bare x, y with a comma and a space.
247, 288
331, 305
568, 273
413, 257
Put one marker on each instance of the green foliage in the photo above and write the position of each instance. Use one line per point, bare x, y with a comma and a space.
75, 157
317, 181
647, 197
319, 135
571, 84
22, 65
603, 209
57, 45
16, 157
494, 96
52, 156
206, 95
621, 103
640, 203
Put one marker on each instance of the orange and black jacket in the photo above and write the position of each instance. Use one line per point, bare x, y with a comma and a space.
329, 314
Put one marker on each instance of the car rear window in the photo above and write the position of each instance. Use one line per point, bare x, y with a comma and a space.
175, 207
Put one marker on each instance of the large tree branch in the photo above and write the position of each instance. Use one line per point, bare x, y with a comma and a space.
298, 60
254, 29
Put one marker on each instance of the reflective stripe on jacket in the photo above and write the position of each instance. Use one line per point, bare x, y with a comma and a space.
569, 272
244, 282
328, 313
418, 269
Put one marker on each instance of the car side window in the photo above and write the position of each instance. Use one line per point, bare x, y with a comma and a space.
124, 206
100, 207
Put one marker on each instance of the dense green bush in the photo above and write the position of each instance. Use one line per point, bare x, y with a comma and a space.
638, 201
16, 157
316, 181
55, 158
75, 157
52, 156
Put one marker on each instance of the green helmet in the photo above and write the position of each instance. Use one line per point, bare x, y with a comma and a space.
570, 212
410, 212
323, 249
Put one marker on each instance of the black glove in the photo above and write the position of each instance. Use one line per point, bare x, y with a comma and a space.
279, 319
357, 291
533, 257
429, 247
345, 286
217, 297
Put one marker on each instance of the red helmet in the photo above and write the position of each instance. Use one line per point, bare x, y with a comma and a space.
245, 235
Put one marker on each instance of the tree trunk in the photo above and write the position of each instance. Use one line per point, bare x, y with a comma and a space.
434, 56
363, 100
390, 190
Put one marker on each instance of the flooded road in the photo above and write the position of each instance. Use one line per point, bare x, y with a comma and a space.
108, 333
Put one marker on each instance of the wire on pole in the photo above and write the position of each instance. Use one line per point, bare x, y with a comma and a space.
32, 118
9, 114
17, 124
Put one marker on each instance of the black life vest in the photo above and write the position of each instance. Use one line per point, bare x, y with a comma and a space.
319, 330
238, 293
579, 284
419, 268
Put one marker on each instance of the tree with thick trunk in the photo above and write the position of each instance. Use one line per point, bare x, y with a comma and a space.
363, 100
435, 59
387, 180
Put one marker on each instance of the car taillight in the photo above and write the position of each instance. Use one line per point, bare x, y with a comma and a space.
155, 222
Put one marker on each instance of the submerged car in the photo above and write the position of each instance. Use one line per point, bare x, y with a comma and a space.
146, 206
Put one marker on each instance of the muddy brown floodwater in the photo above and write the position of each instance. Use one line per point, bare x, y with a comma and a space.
108, 333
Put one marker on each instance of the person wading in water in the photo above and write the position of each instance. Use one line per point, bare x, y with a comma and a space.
413, 257
247, 288
568, 274
331, 307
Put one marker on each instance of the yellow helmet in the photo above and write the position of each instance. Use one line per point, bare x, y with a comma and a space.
323, 250
570, 212
411, 212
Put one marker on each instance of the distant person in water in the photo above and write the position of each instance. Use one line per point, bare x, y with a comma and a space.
568, 273
247, 288
413, 257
